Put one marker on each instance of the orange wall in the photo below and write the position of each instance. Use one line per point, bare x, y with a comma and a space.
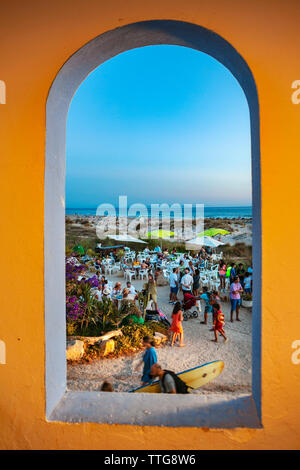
36, 39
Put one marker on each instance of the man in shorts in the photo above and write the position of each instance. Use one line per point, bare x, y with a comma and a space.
173, 286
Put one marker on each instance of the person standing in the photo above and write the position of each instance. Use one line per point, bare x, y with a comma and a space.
196, 282
248, 283
235, 297
208, 307
173, 286
232, 273
176, 327
219, 323
187, 282
222, 274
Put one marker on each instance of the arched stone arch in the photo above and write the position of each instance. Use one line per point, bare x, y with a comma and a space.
72, 406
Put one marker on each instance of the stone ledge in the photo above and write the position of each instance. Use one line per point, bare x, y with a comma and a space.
209, 411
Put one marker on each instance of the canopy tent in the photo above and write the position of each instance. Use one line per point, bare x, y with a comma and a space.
126, 238
204, 241
161, 234
166, 234
212, 232
79, 249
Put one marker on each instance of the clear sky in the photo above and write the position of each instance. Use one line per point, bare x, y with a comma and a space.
159, 124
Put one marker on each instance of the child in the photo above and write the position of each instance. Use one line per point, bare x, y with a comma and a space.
219, 323
208, 308
248, 283
214, 298
149, 358
176, 327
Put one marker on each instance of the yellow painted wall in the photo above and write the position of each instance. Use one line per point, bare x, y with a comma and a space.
37, 37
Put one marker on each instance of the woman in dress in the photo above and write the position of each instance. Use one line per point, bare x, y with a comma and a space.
222, 274
176, 327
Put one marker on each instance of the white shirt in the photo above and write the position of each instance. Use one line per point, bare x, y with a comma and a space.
247, 283
173, 279
132, 290
98, 294
130, 297
187, 281
150, 305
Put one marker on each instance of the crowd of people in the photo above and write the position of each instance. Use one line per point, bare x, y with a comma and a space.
184, 280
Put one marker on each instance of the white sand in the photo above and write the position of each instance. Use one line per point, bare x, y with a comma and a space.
199, 349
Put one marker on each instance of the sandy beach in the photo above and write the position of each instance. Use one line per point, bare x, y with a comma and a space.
86, 226
236, 354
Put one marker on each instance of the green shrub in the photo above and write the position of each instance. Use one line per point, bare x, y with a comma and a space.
132, 338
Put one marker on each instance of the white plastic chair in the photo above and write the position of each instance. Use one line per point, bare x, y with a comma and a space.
143, 274
108, 269
130, 274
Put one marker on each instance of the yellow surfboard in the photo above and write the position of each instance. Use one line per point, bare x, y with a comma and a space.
194, 378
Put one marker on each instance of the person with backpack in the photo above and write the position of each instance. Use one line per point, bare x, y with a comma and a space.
169, 382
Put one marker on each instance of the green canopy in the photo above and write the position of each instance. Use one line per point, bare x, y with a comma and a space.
160, 234
78, 249
211, 232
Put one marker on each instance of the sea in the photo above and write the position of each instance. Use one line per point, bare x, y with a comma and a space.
229, 212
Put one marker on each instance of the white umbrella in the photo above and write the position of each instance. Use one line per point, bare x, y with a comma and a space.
126, 238
204, 241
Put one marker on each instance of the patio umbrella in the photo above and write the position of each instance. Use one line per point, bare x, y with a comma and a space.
204, 241
212, 232
126, 238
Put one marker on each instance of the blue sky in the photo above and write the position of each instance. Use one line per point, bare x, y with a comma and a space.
159, 124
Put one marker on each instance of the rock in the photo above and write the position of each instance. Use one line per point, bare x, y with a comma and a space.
75, 350
107, 347
160, 338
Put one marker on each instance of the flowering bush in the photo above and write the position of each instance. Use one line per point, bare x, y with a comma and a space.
93, 281
85, 315
75, 309
74, 270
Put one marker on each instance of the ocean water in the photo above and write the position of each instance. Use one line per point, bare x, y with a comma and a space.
212, 212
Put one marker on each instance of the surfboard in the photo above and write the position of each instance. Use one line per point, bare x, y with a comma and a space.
195, 378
